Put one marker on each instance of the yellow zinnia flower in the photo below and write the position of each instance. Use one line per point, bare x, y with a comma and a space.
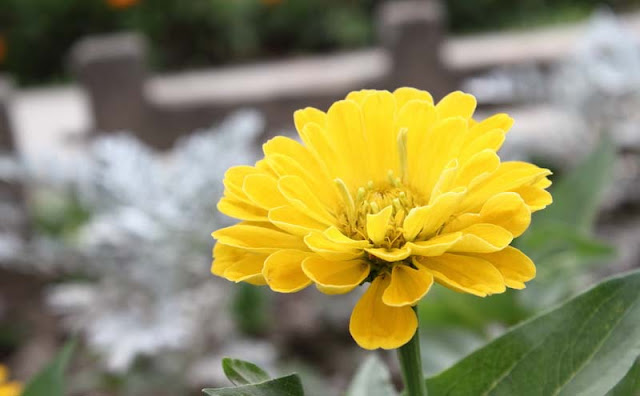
386, 188
8, 388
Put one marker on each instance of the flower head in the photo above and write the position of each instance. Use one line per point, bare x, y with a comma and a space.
387, 189
8, 388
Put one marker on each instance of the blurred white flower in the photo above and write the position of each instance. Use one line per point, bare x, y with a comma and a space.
147, 243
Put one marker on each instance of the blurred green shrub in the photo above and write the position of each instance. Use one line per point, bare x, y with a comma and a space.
39, 33
470, 16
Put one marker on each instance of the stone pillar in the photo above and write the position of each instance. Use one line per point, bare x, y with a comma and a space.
14, 224
112, 69
6, 135
413, 33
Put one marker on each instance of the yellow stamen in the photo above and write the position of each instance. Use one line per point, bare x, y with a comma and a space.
347, 198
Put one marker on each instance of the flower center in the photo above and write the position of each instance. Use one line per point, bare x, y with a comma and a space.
373, 198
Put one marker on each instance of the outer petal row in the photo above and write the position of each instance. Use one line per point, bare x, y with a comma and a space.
374, 324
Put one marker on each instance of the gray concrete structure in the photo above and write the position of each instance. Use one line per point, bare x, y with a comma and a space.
13, 226
160, 109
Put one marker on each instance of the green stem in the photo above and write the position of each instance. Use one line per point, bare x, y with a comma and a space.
411, 366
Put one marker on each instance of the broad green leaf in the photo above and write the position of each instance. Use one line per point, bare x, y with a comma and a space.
372, 379
284, 386
50, 380
630, 384
241, 372
584, 346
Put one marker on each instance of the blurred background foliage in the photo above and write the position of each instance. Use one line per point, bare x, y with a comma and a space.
36, 35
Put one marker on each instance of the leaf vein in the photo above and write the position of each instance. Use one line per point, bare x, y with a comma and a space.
495, 383
598, 347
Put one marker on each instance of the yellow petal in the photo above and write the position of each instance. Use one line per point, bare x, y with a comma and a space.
314, 171
294, 221
542, 183
360, 96
258, 238
331, 250
465, 273
378, 111
12, 388
491, 140
263, 190
456, 104
390, 255
515, 267
307, 116
508, 211
4, 374
535, 197
375, 325
446, 180
335, 235
426, 220
496, 121
297, 192
377, 224
346, 134
509, 176
335, 277
417, 118
482, 238
434, 246
478, 167
405, 94
407, 286
240, 210
286, 167
234, 180
264, 167
238, 265
283, 271
234, 176
439, 147
316, 139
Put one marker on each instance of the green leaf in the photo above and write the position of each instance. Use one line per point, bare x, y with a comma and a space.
446, 308
550, 238
241, 372
577, 195
630, 384
372, 379
445, 346
584, 346
50, 380
249, 308
284, 386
